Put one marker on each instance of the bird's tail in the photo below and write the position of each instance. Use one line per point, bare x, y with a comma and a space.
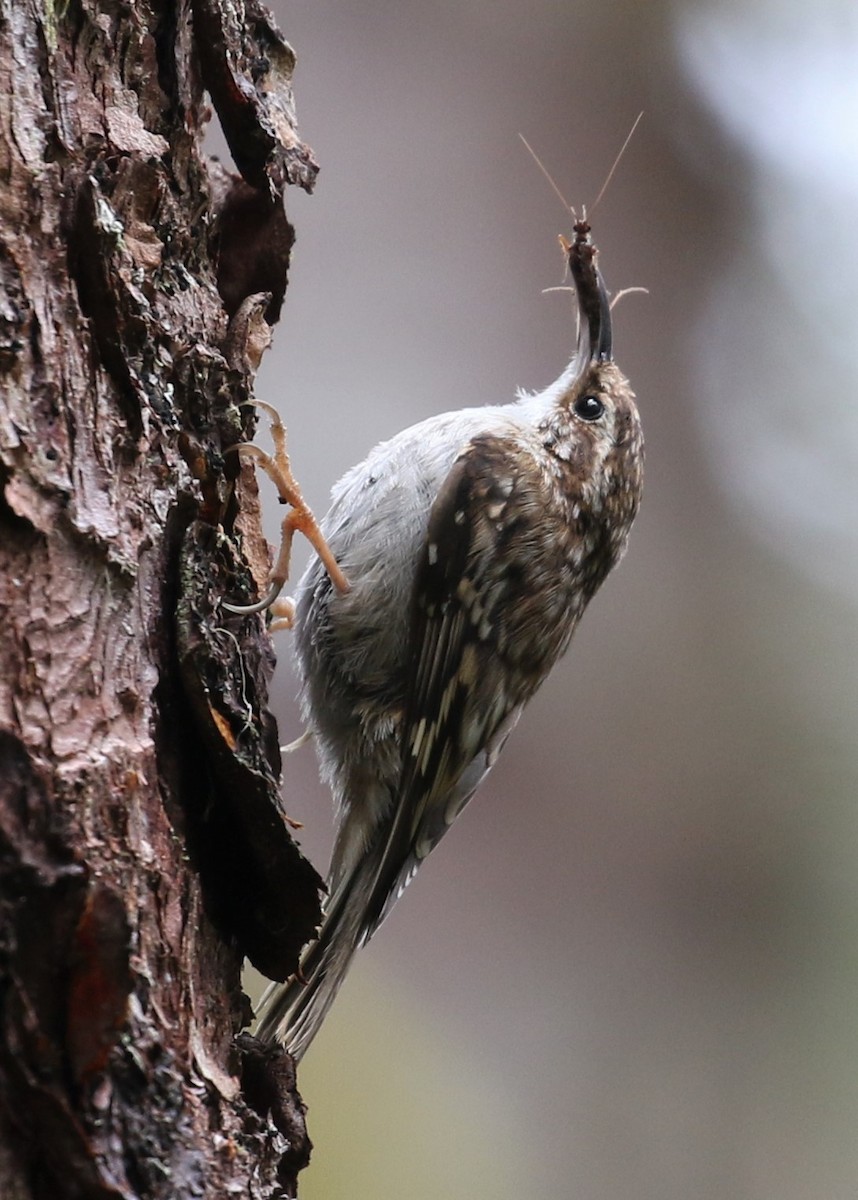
292, 1012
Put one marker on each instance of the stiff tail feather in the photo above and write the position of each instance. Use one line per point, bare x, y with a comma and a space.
292, 1012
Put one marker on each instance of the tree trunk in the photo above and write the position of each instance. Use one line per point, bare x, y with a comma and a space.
143, 852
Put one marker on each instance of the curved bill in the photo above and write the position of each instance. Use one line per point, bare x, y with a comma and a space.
594, 329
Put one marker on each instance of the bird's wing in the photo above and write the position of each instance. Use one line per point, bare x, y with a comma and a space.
462, 699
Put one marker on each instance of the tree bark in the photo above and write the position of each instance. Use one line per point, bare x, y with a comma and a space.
143, 850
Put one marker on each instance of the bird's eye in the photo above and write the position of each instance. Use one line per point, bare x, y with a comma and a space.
589, 408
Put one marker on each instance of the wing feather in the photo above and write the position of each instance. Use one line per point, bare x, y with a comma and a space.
459, 707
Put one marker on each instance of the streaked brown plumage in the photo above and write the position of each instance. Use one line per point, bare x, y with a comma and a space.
472, 544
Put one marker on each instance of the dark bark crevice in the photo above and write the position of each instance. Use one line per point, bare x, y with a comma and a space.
143, 848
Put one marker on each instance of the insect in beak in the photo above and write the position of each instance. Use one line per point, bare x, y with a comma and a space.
595, 335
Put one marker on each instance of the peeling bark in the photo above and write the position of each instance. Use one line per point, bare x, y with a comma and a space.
143, 849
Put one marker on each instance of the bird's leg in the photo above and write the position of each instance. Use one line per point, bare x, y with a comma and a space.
278, 469
282, 613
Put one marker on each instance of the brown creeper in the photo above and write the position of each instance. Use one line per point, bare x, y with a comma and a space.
472, 544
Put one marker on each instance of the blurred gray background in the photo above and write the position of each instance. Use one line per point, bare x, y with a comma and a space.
632, 969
